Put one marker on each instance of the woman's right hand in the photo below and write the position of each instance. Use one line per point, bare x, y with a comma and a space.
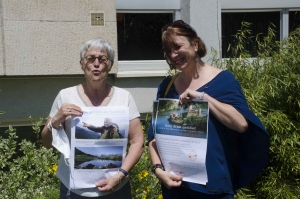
168, 179
65, 111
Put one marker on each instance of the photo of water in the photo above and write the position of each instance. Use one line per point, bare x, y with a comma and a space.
189, 120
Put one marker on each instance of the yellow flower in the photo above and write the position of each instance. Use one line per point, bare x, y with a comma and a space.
147, 189
137, 190
143, 174
160, 196
53, 169
143, 197
143, 128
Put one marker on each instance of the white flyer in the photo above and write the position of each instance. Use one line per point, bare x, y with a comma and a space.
181, 132
98, 144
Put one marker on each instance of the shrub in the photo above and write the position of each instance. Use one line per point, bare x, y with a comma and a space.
144, 183
27, 168
271, 85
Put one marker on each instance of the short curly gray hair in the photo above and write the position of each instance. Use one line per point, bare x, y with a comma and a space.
98, 43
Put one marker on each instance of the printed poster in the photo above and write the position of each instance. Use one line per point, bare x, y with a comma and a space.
98, 144
181, 138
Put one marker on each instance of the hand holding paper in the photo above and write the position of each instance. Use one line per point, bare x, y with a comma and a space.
110, 183
168, 179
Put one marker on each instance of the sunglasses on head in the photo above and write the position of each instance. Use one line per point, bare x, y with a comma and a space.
177, 24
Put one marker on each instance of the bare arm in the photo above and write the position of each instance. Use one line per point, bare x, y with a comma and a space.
136, 140
225, 113
168, 179
59, 118
47, 135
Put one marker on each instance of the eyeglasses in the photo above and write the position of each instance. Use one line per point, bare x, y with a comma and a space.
177, 24
102, 59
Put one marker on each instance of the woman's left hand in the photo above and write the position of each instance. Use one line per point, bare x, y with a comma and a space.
110, 183
187, 96
225, 113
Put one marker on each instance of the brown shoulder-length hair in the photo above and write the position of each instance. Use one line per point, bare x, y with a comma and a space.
185, 30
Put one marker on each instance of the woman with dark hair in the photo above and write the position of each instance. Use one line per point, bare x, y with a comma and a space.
237, 143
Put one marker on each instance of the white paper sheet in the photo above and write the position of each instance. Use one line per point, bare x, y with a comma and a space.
92, 157
181, 137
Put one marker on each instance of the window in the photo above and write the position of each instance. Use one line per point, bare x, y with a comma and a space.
139, 26
139, 35
294, 20
139, 43
261, 21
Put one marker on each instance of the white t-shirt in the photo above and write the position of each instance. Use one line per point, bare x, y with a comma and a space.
119, 97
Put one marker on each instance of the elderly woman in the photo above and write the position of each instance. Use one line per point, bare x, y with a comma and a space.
96, 60
237, 143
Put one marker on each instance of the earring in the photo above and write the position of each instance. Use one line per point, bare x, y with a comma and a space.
197, 57
169, 63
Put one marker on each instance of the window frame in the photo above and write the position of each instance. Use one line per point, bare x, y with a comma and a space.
146, 68
263, 6
259, 4
235, 6
291, 10
252, 11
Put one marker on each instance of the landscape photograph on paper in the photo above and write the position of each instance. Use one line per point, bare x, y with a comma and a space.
189, 120
106, 157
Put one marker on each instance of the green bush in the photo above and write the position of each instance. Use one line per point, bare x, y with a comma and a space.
27, 168
144, 183
271, 85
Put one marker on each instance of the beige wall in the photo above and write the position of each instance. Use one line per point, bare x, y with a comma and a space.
43, 37
39, 52
39, 55
1, 44
21, 97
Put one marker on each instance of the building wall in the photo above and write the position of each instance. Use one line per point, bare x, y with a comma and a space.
205, 17
39, 51
43, 37
21, 97
2, 63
